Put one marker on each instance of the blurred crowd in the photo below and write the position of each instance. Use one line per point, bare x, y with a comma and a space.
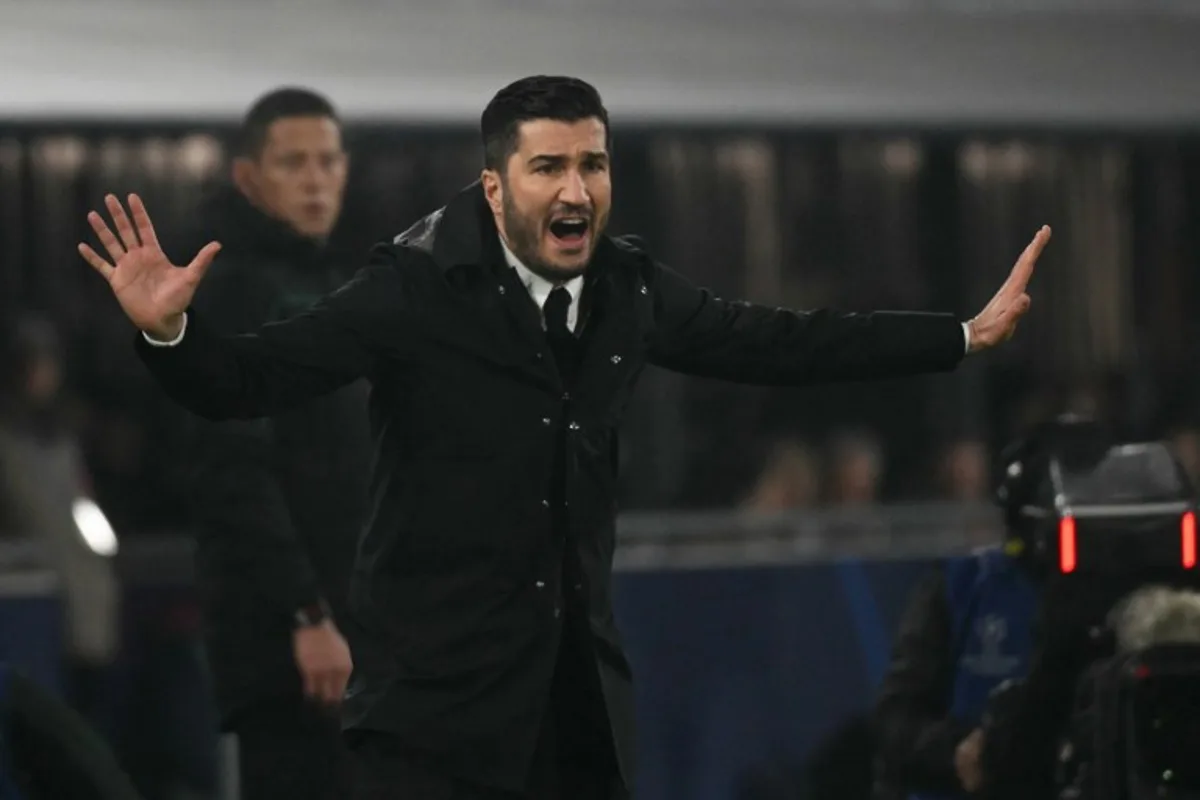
850, 469
80, 445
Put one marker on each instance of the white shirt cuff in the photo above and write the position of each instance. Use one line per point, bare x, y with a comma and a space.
179, 338
966, 336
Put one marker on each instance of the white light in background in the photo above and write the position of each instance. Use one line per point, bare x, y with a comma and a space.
199, 156
93, 527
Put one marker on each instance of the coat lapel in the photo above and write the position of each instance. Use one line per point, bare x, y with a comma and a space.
525, 325
610, 330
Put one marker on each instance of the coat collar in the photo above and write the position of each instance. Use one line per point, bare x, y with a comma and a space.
463, 234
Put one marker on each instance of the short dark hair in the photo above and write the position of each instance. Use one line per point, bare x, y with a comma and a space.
282, 103
537, 97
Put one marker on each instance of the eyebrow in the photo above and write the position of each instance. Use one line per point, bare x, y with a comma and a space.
547, 158
305, 152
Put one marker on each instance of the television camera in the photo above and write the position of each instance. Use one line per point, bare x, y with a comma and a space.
1110, 709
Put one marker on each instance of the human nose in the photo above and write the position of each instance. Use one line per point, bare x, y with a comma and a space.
314, 176
574, 191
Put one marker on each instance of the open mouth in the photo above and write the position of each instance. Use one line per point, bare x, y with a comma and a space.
570, 230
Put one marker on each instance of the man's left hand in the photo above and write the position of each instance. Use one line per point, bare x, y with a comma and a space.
998, 320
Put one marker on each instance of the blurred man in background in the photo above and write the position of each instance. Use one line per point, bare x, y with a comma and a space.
964, 472
856, 462
790, 479
968, 628
277, 502
45, 499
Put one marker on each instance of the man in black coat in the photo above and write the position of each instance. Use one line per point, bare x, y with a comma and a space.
277, 503
503, 336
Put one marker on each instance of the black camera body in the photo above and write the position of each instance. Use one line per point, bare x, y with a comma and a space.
1143, 734
1096, 522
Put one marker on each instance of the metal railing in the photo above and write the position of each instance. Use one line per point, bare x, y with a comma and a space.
653, 541
714, 539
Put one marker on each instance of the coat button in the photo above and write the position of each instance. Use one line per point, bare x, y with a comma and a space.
546, 420
540, 356
566, 396
545, 504
616, 359
540, 584
644, 290
557, 613
574, 426
579, 587
502, 290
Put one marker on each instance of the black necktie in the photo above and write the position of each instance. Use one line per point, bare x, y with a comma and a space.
555, 309
562, 341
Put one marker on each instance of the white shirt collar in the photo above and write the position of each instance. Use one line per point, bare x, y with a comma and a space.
539, 288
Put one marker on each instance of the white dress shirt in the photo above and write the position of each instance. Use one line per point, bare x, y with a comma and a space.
539, 289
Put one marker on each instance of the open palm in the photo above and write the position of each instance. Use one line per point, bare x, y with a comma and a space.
998, 320
152, 291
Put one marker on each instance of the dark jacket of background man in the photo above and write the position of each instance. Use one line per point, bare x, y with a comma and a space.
276, 503
460, 578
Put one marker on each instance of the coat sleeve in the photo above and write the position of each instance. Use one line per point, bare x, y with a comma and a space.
237, 502
914, 732
697, 333
283, 364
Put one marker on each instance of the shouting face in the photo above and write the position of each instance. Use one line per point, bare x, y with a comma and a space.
553, 196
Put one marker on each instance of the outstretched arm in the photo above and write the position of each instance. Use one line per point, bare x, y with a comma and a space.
282, 365
701, 334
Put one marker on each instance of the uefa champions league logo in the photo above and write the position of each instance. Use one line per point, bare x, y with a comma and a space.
991, 661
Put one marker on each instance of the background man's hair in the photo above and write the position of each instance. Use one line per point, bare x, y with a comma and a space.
283, 103
557, 98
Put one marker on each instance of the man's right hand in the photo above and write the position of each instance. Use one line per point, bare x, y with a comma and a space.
152, 291
967, 757
323, 658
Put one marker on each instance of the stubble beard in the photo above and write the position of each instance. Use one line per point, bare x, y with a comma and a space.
524, 237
